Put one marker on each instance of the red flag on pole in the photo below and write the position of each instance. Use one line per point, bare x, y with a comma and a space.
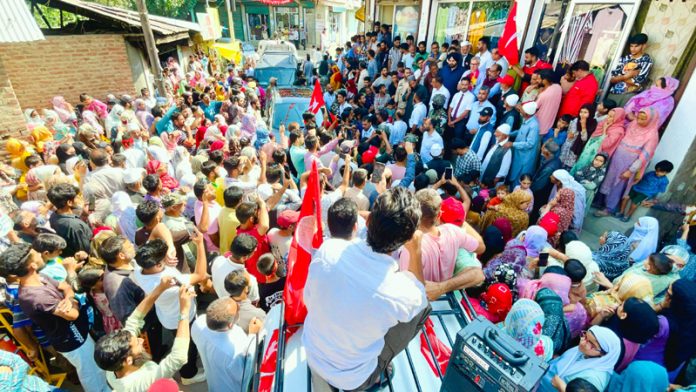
507, 45
308, 235
317, 101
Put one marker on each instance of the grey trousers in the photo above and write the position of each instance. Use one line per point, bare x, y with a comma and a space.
395, 341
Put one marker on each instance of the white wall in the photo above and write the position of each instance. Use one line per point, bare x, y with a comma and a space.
681, 131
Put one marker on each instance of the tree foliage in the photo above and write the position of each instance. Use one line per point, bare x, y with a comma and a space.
179, 9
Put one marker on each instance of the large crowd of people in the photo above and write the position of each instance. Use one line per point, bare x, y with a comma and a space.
139, 234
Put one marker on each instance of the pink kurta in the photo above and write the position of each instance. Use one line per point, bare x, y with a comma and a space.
548, 102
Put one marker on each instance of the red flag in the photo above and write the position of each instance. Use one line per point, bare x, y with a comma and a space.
507, 44
268, 364
441, 351
317, 101
308, 235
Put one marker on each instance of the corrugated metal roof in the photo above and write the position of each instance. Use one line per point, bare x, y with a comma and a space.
160, 25
17, 24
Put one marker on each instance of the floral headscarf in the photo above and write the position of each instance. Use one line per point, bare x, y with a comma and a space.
524, 323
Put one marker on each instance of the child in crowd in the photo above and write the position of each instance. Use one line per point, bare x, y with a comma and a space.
51, 246
500, 192
559, 133
280, 238
603, 109
575, 310
91, 281
525, 184
646, 190
271, 292
591, 176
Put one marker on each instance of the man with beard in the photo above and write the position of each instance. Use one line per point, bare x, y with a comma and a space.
476, 108
541, 182
531, 64
452, 73
483, 138
121, 353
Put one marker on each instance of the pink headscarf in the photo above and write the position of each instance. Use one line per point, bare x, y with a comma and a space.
643, 138
657, 98
559, 284
61, 107
168, 181
615, 132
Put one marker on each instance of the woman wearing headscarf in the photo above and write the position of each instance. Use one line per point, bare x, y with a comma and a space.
248, 126
156, 150
42, 139
18, 151
631, 158
32, 117
640, 376
592, 360
514, 208
524, 322
563, 206
644, 239
680, 310
59, 129
495, 244
65, 111
578, 250
92, 119
123, 211
635, 322
160, 169
145, 118
565, 180
63, 153
555, 324
612, 254
534, 240
605, 138
181, 162
658, 97
336, 79
503, 224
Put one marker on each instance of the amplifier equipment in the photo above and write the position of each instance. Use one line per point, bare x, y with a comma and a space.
485, 358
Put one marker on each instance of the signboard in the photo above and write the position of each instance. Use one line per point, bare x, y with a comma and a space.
210, 24
275, 2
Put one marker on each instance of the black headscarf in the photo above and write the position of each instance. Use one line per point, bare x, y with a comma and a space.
494, 241
81, 149
640, 324
681, 316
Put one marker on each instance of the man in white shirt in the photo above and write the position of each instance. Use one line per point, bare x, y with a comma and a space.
243, 246
484, 54
103, 181
459, 109
439, 89
476, 107
500, 60
226, 351
354, 293
496, 165
418, 114
430, 138
151, 268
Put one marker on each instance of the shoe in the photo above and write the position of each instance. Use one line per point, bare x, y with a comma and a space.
618, 216
601, 213
200, 377
625, 218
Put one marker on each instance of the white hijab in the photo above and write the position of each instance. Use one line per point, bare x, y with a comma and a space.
124, 211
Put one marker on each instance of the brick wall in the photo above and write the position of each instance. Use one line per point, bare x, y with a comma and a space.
11, 119
67, 65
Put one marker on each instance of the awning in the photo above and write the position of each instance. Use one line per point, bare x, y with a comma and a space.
276, 2
231, 51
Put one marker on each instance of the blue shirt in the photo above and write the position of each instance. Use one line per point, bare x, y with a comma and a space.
651, 185
211, 109
560, 139
372, 69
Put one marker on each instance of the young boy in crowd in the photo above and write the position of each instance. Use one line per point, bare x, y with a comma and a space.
500, 192
50, 246
271, 292
645, 192
253, 220
560, 132
280, 238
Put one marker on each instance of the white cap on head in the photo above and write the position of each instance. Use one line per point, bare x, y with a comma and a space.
504, 129
131, 176
466, 43
530, 107
512, 99
435, 150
